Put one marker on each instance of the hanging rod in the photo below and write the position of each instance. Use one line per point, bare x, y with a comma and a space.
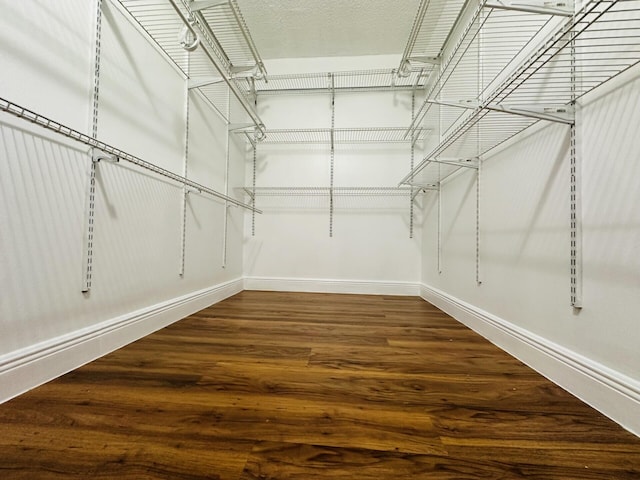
47, 123
340, 135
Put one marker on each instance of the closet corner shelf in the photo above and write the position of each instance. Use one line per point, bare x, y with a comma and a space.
583, 52
431, 28
348, 81
223, 54
341, 136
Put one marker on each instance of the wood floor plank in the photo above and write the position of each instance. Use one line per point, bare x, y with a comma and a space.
284, 386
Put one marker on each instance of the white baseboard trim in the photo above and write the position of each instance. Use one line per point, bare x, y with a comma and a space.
612, 393
319, 285
30, 367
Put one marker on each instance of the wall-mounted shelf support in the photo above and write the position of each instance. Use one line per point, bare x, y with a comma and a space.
332, 88
203, 82
249, 192
241, 127
551, 113
468, 103
98, 156
199, 5
90, 195
562, 8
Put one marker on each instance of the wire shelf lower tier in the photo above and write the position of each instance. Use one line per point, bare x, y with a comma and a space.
225, 53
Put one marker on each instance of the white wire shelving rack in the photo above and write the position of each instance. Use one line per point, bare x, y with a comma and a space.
525, 61
431, 29
599, 42
333, 84
208, 40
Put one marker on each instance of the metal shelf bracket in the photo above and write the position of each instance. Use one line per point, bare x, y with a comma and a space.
553, 113
468, 103
203, 82
458, 162
561, 8
198, 5
99, 156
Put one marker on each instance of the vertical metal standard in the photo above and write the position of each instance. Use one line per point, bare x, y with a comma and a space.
575, 196
90, 197
253, 186
333, 124
480, 87
478, 189
185, 171
412, 161
226, 184
439, 222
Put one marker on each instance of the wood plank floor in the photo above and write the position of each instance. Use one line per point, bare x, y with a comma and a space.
283, 386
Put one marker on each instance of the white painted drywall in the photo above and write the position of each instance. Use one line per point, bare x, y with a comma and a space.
524, 234
46, 55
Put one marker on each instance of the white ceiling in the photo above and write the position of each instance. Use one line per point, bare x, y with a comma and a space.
328, 28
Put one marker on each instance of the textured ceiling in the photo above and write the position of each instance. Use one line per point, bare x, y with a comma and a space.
328, 28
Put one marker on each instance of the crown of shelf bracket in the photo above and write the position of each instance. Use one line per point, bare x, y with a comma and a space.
561, 8
241, 127
249, 192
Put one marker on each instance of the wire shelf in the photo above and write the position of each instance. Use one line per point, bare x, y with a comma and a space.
598, 43
230, 30
350, 81
486, 49
165, 22
431, 28
342, 136
327, 191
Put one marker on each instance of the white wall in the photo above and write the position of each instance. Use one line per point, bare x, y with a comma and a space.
47, 326
370, 250
523, 302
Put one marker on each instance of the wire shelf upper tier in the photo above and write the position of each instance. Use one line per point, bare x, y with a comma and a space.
598, 43
351, 81
327, 191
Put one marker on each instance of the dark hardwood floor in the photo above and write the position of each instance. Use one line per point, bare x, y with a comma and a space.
267, 386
